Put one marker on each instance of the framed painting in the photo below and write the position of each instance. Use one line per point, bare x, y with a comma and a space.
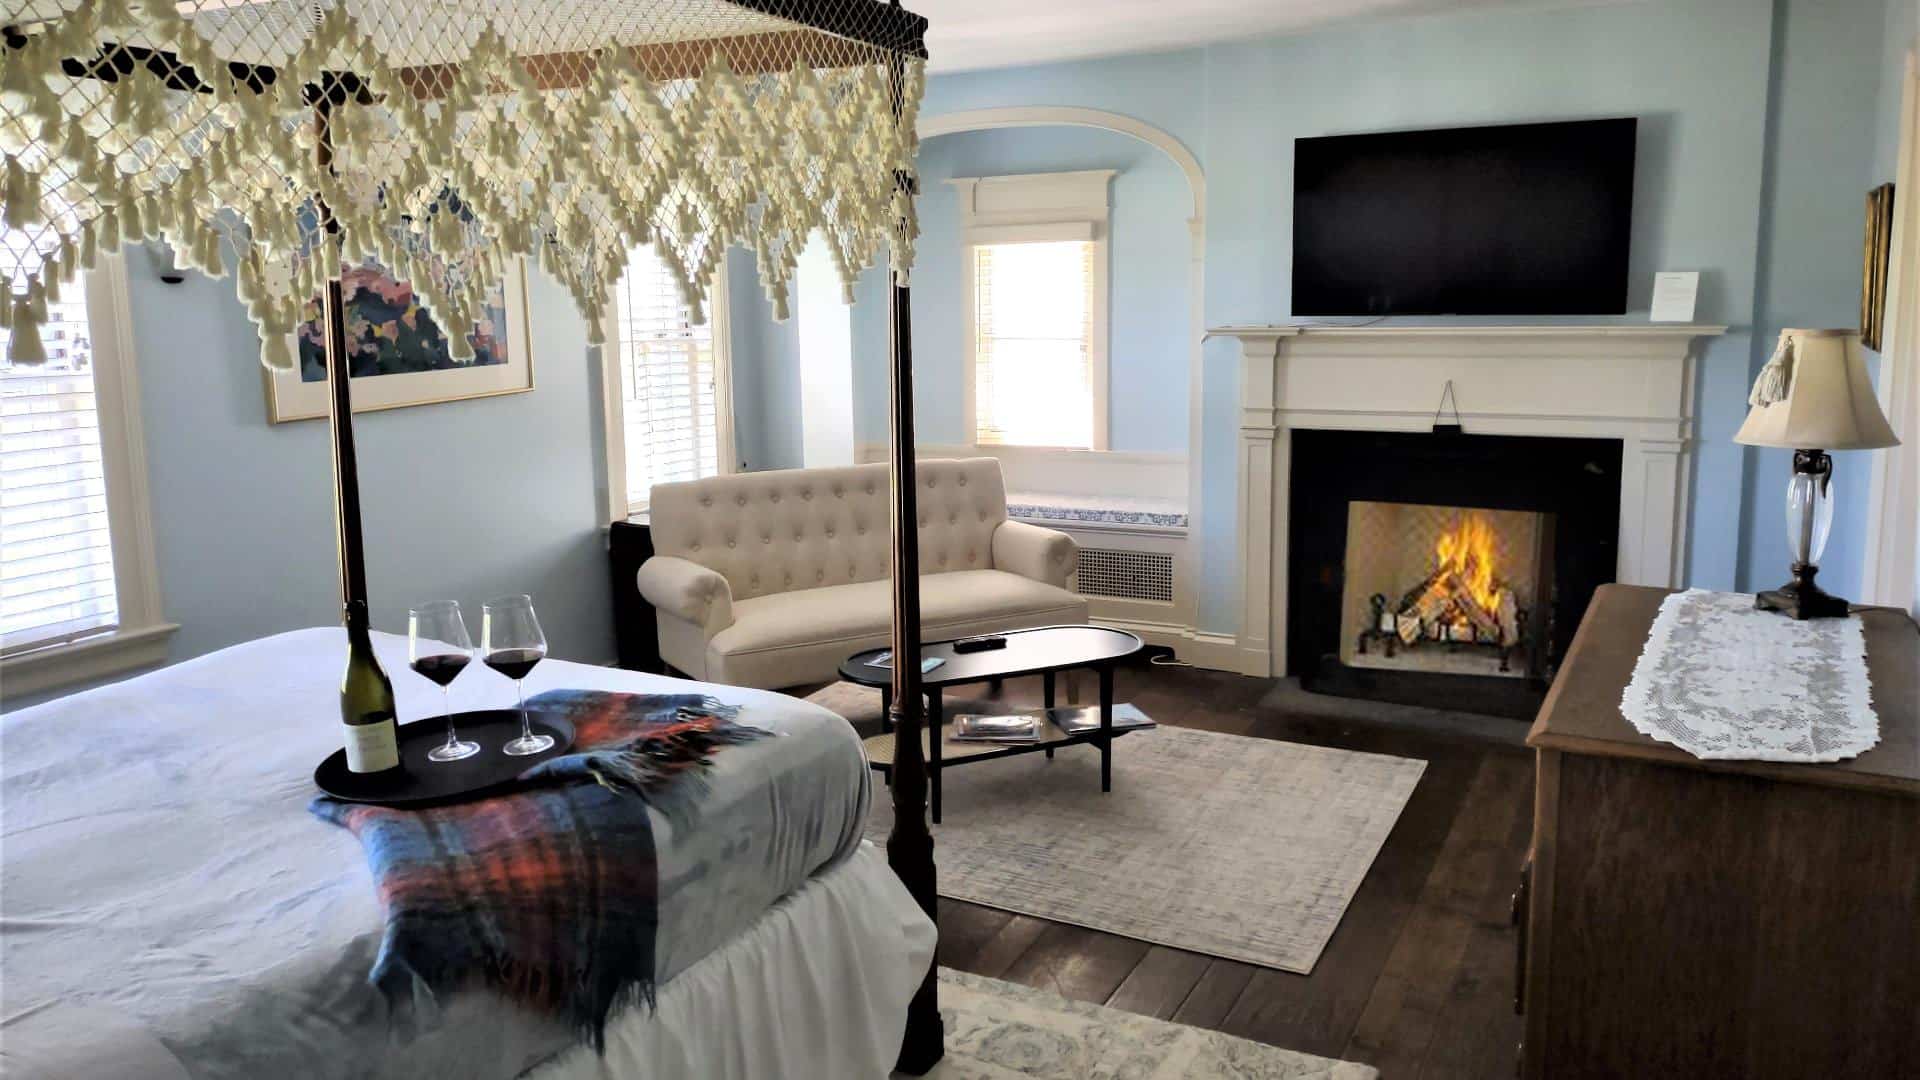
1873, 276
398, 354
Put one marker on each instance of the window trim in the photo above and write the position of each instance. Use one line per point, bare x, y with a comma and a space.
613, 409
140, 636
1036, 208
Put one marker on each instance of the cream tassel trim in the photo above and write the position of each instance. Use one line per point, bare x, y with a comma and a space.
512, 168
1777, 377
23, 343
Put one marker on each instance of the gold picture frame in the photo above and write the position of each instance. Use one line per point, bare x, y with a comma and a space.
1873, 281
301, 394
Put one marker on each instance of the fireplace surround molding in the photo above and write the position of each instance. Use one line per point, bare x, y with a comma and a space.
1632, 382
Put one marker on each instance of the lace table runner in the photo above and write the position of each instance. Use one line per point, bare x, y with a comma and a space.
1720, 679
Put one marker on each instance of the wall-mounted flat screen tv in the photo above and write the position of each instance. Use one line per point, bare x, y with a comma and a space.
1520, 219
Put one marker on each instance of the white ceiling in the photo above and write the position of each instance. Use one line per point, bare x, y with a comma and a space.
967, 34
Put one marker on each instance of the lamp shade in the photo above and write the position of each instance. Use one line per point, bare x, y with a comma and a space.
1815, 395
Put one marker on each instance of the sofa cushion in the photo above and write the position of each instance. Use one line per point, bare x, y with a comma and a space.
788, 639
859, 611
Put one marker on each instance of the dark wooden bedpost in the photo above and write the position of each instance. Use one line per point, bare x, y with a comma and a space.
346, 473
910, 845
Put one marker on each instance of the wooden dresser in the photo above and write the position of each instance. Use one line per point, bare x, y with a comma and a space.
1719, 919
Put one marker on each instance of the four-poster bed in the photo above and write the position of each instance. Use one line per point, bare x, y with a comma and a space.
286, 139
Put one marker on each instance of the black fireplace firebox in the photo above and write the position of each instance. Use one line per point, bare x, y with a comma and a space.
1445, 569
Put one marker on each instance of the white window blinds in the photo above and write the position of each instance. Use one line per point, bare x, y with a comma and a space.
669, 382
56, 552
1033, 344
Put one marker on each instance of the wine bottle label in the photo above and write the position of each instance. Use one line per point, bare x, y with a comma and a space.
372, 747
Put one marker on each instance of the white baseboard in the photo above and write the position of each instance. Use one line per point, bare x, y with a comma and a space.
1216, 652
1255, 662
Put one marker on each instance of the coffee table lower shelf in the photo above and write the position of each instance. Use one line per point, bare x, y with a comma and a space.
965, 752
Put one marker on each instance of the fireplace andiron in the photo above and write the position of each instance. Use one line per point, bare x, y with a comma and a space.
1403, 629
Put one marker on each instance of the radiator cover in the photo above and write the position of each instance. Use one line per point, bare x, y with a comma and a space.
1127, 575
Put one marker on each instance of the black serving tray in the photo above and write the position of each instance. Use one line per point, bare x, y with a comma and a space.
420, 782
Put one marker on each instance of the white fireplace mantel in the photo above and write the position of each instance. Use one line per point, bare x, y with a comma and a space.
1632, 382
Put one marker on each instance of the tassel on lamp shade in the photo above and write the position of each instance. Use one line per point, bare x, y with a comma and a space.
1812, 397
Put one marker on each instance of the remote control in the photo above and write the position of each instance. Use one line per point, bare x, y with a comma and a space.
983, 643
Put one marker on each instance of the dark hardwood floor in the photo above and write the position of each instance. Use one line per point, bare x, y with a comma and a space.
1419, 978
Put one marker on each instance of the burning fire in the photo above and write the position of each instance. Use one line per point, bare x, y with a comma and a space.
1464, 581
1465, 559
1464, 600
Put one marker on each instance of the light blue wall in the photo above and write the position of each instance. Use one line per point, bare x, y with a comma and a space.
471, 499
465, 500
1824, 130
1149, 253
766, 372
1897, 35
1754, 142
1696, 74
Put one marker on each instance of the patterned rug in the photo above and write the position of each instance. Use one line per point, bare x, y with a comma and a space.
1000, 1031
1243, 848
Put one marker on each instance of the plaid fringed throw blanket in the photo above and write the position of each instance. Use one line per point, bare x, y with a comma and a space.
547, 895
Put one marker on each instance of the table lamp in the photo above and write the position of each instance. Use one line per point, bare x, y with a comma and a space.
1812, 397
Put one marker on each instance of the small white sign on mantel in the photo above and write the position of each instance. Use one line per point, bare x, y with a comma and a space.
1674, 292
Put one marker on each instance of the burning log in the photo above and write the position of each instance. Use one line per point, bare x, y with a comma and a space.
1509, 617
1462, 599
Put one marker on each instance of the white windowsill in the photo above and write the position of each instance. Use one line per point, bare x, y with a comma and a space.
86, 659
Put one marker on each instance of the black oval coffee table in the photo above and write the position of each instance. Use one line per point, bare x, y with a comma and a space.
1045, 651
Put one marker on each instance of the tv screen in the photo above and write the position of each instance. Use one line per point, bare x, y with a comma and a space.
1522, 219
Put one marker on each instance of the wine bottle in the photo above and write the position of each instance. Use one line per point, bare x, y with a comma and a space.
366, 706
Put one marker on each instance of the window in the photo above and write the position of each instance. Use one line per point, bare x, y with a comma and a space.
669, 414
56, 550
1033, 344
78, 591
1036, 309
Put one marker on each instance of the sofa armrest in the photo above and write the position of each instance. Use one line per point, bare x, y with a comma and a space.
1033, 552
688, 590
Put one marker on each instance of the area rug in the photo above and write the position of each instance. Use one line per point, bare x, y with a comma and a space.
998, 1031
1238, 847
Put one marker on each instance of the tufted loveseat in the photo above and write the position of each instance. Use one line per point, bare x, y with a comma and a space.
771, 579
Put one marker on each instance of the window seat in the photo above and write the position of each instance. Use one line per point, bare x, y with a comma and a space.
1096, 511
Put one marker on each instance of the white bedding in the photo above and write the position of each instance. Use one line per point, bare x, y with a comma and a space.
160, 864
817, 990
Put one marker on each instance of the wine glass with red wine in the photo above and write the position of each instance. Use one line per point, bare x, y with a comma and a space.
438, 648
512, 643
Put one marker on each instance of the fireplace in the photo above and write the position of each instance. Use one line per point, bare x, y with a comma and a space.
1625, 386
1445, 569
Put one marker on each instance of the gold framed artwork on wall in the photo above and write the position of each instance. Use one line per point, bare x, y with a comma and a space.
399, 354
1873, 280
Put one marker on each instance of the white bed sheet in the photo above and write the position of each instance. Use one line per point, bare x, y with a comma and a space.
160, 866
816, 990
